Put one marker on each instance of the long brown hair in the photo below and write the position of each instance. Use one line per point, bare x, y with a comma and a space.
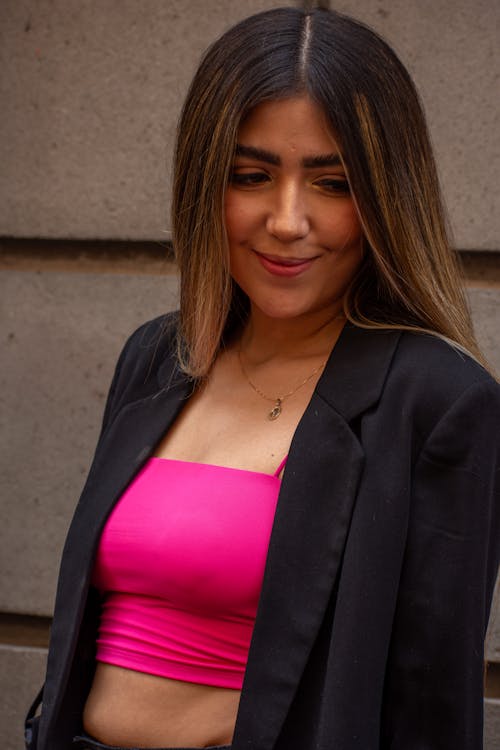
410, 277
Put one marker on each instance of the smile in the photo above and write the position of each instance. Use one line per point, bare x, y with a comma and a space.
284, 266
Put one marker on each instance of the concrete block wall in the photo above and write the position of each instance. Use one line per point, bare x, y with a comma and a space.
90, 92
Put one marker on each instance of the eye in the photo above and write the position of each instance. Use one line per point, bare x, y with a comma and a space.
336, 185
248, 179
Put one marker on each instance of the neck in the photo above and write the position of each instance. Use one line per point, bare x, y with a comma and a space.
314, 335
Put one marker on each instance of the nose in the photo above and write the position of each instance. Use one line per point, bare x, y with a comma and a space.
287, 219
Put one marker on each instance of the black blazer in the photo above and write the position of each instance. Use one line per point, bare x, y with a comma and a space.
382, 560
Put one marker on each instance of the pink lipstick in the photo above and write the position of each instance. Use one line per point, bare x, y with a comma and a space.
284, 266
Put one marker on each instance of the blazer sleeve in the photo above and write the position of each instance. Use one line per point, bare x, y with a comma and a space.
32, 720
135, 362
143, 341
433, 695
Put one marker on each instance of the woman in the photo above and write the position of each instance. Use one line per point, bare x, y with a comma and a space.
313, 436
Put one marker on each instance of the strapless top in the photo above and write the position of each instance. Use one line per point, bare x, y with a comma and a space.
180, 565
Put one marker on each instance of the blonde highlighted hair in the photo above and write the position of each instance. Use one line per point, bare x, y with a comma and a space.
410, 277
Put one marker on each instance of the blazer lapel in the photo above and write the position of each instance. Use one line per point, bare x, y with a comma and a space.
309, 533
128, 443
125, 447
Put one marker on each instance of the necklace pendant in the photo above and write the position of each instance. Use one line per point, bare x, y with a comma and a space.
275, 411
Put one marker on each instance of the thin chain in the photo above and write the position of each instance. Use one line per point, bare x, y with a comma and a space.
285, 395
278, 400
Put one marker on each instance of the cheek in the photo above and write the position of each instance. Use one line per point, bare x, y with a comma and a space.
245, 215
344, 228
235, 216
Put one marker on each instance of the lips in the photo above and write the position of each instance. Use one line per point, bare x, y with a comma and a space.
284, 265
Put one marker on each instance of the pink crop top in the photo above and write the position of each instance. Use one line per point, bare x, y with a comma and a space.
180, 565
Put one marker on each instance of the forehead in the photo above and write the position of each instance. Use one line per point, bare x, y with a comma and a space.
295, 125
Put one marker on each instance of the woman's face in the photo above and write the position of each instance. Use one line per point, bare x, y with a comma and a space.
294, 236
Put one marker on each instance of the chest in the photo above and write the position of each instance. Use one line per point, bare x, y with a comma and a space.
230, 426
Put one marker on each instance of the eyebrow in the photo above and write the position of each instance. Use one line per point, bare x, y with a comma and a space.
258, 153
320, 160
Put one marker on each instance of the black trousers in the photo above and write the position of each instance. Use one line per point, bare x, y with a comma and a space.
84, 742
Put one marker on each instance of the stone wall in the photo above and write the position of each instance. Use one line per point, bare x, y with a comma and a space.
90, 92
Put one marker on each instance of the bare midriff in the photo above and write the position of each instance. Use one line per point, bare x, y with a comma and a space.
133, 709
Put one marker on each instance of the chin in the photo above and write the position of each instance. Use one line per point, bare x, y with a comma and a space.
276, 311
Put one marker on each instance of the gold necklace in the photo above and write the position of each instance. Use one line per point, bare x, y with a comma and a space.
277, 400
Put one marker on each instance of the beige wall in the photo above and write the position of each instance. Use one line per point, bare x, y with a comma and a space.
93, 89
90, 91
